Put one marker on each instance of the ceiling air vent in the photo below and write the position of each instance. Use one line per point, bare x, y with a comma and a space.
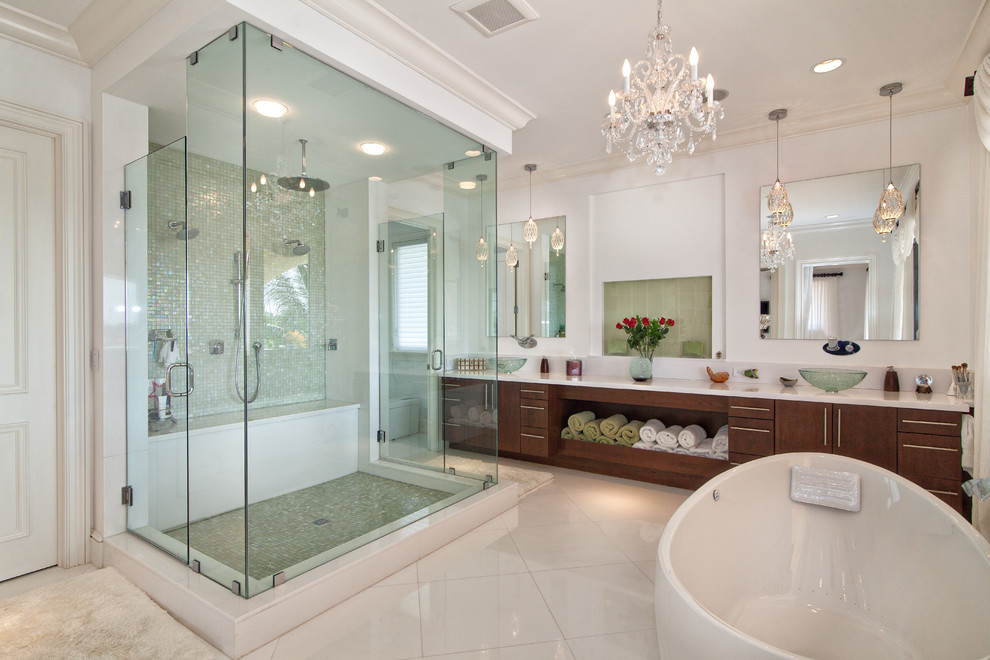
491, 17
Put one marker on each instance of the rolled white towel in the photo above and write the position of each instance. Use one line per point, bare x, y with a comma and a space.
691, 436
650, 430
667, 438
720, 443
458, 411
721, 456
703, 448
474, 413
723, 430
643, 444
485, 417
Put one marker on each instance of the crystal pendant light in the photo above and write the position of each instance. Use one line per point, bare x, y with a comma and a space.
557, 240
891, 204
776, 247
481, 250
664, 107
530, 231
512, 256
777, 199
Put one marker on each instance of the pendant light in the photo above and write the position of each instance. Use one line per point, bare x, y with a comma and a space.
891, 204
511, 256
530, 231
777, 200
481, 250
557, 239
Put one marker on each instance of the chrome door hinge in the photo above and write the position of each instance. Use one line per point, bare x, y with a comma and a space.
381, 435
125, 199
380, 246
127, 496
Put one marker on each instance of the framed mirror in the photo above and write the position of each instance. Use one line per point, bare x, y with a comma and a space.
843, 279
531, 295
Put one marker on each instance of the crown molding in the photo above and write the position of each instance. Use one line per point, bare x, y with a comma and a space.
373, 23
106, 23
35, 32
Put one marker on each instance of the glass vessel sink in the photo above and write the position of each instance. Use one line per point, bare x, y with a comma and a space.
832, 380
508, 365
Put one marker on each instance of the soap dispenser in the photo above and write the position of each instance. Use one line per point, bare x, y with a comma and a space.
890, 382
545, 366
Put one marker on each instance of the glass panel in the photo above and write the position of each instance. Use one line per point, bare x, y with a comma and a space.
155, 285
470, 423
224, 266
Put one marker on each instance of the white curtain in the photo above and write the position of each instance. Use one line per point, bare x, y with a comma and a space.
823, 312
981, 453
901, 245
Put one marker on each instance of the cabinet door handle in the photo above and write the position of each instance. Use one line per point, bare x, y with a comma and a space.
943, 492
530, 435
744, 428
921, 421
838, 430
750, 408
534, 391
825, 427
932, 448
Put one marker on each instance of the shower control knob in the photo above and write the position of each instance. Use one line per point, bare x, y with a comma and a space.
216, 348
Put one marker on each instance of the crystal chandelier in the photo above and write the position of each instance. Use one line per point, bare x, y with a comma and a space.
481, 249
777, 200
530, 231
664, 107
891, 204
776, 247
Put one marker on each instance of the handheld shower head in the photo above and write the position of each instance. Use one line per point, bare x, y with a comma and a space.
299, 248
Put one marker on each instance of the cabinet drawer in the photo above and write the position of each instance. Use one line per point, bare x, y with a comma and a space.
751, 436
533, 391
533, 441
947, 490
930, 440
927, 461
533, 413
751, 408
935, 422
736, 458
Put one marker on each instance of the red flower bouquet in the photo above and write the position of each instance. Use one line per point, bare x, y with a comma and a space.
643, 334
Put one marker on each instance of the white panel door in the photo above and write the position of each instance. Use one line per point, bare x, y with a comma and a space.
28, 426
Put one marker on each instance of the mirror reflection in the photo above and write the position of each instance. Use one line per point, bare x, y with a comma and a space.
841, 279
530, 294
286, 297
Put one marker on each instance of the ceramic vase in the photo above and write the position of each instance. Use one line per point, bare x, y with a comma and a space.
641, 369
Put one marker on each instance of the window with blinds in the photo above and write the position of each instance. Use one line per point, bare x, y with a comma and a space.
409, 303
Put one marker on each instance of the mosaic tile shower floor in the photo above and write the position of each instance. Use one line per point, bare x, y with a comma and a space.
284, 529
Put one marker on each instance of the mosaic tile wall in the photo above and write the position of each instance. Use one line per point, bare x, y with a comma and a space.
288, 375
556, 299
687, 300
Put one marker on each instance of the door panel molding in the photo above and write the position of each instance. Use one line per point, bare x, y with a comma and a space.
14, 477
73, 406
13, 272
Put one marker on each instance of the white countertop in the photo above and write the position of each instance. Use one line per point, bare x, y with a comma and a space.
768, 390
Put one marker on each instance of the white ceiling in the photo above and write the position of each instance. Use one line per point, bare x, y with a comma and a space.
562, 65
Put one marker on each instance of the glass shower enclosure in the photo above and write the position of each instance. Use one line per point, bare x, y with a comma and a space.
295, 300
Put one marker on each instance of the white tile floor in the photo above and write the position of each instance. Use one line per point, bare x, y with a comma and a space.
566, 574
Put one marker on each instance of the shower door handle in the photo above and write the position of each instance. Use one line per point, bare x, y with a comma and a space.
436, 366
190, 379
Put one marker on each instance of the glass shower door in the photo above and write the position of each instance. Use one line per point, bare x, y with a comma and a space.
156, 240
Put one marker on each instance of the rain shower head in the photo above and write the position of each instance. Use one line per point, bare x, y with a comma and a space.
299, 249
184, 233
303, 183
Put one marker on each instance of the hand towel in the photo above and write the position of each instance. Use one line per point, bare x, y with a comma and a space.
649, 431
486, 417
720, 444
643, 444
566, 433
611, 426
703, 448
722, 430
691, 436
577, 421
593, 430
629, 434
967, 442
474, 413
605, 440
458, 411
667, 438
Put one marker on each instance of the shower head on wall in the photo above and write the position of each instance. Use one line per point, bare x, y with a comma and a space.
184, 233
299, 248
303, 183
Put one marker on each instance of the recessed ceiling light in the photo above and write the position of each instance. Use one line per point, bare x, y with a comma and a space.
268, 108
834, 215
828, 65
373, 148
472, 153
468, 185
374, 178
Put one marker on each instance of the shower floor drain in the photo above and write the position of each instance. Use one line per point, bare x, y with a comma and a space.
321, 521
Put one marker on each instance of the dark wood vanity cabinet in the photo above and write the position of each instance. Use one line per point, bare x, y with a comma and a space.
929, 452
523, 423
868, 433
468, 414
751, 429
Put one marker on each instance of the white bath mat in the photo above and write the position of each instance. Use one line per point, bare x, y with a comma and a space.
99, 614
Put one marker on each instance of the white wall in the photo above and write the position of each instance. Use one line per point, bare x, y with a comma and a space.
40, 80
937, 140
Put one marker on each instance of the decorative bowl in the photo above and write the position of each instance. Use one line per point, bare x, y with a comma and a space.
832, 380
508, 365
788, 382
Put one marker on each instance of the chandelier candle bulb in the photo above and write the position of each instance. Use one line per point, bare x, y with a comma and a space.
693, 58
626, 70
710, 93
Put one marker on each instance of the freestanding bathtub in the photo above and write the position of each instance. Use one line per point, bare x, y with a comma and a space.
752, 574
